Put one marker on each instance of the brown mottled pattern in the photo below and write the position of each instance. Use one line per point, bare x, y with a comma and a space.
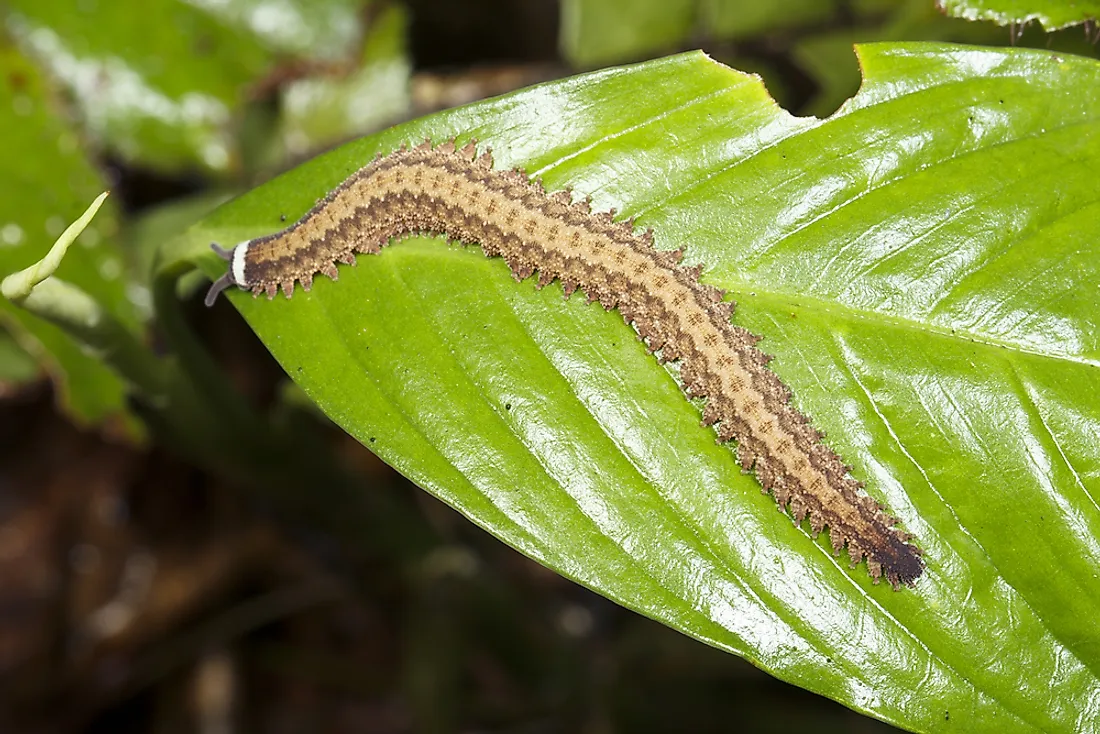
449, 191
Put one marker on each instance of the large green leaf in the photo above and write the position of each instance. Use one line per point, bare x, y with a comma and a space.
925, 266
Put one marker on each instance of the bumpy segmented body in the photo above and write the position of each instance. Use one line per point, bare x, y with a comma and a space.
456, 193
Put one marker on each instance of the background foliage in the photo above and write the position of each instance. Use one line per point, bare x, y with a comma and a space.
1003, 316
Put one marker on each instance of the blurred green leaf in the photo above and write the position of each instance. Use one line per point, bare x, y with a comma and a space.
17, 368
1051, 14
743, 18
826, 56
46, 191
163, 86
925, 266
322, 110
317, 29
157, 86
146, 233
597, 32
817, 36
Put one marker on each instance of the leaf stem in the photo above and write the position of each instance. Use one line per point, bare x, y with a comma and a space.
18, 286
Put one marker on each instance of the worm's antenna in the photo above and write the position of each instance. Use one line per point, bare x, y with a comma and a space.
217, 287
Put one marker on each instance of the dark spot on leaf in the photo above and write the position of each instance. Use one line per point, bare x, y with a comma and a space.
507, 406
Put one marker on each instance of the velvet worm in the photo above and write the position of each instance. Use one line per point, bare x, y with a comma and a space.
454, 192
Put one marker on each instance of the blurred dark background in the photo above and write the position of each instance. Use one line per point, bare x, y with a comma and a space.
141, 594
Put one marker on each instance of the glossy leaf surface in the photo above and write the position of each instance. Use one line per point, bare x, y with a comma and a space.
1051, 14
925, 265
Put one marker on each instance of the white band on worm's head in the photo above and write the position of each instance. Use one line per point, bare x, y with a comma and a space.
236, 265
234, 275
